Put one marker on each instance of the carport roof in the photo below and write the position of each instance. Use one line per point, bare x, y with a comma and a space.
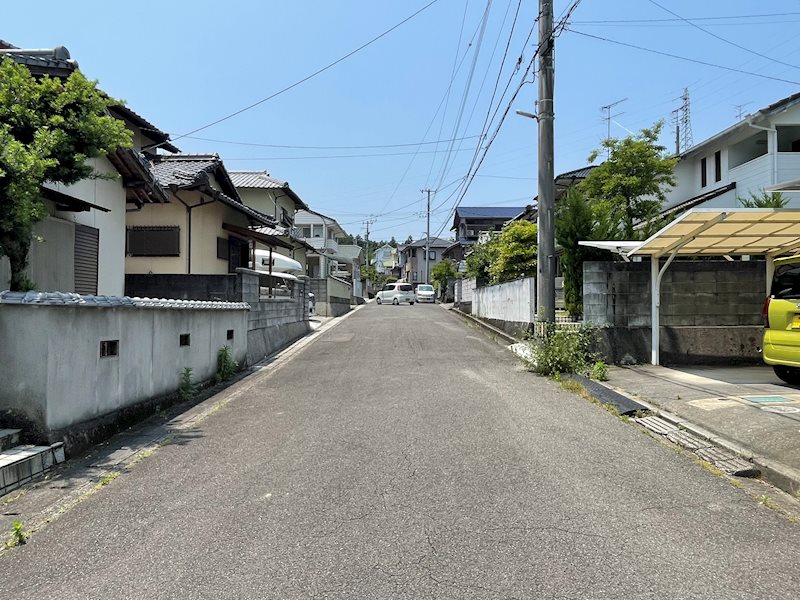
718, 232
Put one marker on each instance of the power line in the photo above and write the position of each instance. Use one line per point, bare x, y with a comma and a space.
722, 39
312, 75
720, 18
258, 145
330, 156
685, 58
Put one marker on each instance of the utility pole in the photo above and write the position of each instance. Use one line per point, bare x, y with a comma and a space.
368, 222
607, 108
428, 238
545, 267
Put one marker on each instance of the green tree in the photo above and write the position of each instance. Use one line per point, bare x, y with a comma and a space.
764, 200
409, 240
48, 129
575, 221
442, 271
630, 187
480, 257
516, 252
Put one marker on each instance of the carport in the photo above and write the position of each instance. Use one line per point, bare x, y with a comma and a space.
768, 232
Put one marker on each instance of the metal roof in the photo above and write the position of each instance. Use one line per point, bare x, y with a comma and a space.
492, 212
718, 232
434, 243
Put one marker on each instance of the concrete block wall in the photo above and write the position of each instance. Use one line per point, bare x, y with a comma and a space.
710, 310
693, 293
184, 287
272, 323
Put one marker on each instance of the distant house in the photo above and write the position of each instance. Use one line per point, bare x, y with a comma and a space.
412, 258
203, 227
322, 234
80, 245
275, 198
385, 259
562, 182
470, 221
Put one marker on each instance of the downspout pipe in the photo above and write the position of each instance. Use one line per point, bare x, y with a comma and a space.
189, 207
772, 144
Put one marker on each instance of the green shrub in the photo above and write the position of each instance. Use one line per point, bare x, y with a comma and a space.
564, 350
226, 366
599, 371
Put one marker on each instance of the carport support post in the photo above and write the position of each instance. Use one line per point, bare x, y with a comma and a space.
770, 272
655, 291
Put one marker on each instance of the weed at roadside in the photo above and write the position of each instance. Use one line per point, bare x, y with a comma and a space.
18, 535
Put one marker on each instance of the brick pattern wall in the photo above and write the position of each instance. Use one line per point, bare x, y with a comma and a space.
693, 293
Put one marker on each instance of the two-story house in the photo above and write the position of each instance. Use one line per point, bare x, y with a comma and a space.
80, 245
470, 221
385, 259
204, 228
412, 258
759, 152
322, 234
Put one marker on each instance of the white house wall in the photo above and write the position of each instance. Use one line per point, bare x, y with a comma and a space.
110, 194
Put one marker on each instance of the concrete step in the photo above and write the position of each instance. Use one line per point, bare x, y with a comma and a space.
9, 438
21, 464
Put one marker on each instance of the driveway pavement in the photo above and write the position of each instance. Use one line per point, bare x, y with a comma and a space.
403, 454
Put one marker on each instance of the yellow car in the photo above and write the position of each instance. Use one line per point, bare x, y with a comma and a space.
781, 314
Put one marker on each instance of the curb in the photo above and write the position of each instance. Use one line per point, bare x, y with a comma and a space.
774, 472
508, 338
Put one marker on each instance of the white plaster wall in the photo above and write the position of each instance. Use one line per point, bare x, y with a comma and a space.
514, 301
53, 371
108, 194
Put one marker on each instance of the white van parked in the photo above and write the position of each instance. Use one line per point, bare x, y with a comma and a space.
396, 293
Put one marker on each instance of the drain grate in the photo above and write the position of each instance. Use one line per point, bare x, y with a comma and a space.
730, 463
656, 425
687, 440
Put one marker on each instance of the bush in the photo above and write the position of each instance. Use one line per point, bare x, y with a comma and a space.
564, 350
599, 371
187, 388
226, 366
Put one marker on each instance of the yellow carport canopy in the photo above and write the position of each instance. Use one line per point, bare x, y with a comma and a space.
718, 232
771, 232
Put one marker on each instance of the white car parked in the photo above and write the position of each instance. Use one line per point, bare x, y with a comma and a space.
395, 293
425, 293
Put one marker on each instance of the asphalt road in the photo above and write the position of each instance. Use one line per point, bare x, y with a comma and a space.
405, 455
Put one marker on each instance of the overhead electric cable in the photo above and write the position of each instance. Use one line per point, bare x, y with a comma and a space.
685, 58
312, 75
722, 39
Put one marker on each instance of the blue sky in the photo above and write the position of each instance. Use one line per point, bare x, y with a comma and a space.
184, 64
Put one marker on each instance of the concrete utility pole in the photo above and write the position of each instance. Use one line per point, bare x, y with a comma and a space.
368, 222
428, 238
545, 267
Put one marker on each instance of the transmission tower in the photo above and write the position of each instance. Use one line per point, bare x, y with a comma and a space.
682, 122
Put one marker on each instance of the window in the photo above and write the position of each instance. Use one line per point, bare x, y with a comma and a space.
703, 174
432, 255
303, 232
229, 335
153, 241
388, 287
222, 248
718, 165
109, 348
405, 287
414, 277
286, 218
317, 231
185, 339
